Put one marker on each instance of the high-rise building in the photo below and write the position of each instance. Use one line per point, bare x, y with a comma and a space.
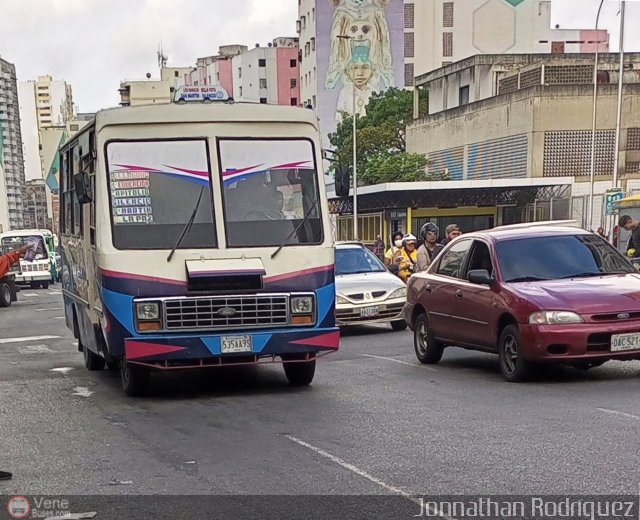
13, 162
35, 205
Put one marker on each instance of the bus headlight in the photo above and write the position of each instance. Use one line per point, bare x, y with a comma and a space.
302, 304
147, 311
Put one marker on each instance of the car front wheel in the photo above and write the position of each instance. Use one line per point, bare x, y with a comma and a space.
428, 350
513, 366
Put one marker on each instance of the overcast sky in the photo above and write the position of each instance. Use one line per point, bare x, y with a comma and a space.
93, 44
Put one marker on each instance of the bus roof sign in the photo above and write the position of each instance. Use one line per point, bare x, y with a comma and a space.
205, 93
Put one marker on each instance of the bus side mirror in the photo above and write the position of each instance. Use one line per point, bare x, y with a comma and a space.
342, 180
82, 184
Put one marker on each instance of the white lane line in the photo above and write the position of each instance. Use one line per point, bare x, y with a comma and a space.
620, 414
28, 294
360, 472
51, 309
26, 338
35, 349
59, 318
398, 361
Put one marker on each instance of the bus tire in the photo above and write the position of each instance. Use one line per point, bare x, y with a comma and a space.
92, 361
135, 380
44, 285
5, 295
300, 373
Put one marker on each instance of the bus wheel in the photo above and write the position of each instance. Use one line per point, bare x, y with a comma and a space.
299, 373
92, 361
5, 295
44, 285
113, 365
135, 380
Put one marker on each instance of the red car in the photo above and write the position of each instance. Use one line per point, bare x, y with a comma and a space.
531, 294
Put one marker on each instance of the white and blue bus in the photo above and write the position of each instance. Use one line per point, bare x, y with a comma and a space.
197, 236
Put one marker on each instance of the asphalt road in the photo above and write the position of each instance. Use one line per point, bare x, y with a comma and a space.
373, 422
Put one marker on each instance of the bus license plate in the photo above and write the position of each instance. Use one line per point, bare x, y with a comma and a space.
621, 342
233, 344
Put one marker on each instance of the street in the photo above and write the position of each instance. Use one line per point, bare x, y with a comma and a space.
373, 422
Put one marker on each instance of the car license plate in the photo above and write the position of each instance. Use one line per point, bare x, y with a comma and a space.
369, 312
233, 344
622, 342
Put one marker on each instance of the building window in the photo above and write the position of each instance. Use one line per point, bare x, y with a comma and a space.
176, 73
314, 100
304, 22
262, 62
240, 90
409, 45
408, 75
294, 102
239, 72
463, 96
263, 83
218, 77
293, 63
313, 44
447, 45
314, 73
409, 16
447, 14
263, 100
313, 14
294, 83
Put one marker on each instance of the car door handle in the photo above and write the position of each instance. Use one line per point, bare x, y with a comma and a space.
459, 294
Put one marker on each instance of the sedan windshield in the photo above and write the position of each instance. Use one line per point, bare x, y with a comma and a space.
558, 257
357, 260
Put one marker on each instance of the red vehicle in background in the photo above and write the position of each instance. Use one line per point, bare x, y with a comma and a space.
531, 294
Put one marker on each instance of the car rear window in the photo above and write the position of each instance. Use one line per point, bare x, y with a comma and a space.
556, 257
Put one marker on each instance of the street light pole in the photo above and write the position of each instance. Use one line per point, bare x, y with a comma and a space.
616, 157
592, 169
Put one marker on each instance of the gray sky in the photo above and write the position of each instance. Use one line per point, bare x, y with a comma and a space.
93, 44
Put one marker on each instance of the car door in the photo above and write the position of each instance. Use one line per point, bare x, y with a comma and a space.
444, 282
477, 304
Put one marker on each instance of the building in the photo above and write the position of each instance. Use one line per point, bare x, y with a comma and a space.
13, 162
34, 195
448, 31
530, 117
268, 74
217, 69
145, 92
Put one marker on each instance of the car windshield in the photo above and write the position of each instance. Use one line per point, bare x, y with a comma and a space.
558, 257
357, 260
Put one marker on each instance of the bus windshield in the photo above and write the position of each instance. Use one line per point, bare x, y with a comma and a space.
16, 242
270, 192
155, 187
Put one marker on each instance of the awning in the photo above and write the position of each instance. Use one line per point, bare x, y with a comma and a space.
628, 202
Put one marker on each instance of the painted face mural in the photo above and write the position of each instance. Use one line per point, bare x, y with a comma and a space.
360, 53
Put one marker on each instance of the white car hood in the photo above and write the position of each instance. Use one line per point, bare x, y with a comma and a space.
367, 282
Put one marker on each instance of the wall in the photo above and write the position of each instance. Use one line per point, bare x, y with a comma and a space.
286, 73
309, 62
29, 127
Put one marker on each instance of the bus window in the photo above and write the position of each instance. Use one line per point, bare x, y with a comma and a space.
154, 188
270, 188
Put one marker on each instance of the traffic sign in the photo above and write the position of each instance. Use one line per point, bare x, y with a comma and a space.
612, 195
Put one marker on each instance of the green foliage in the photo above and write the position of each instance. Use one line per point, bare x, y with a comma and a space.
381, 141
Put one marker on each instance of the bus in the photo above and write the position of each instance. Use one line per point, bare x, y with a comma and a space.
42, 271
196, 236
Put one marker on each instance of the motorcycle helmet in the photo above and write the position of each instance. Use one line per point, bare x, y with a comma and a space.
429, 227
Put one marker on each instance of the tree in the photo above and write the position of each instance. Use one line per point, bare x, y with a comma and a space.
381, 135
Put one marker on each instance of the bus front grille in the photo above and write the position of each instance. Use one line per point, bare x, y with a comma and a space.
226, 312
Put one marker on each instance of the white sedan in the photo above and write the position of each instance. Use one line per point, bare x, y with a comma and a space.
366, 292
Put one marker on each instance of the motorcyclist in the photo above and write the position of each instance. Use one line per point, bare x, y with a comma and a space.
429, 249
409, 257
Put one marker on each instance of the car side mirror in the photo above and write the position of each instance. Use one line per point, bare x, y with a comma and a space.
342, 180
82, 184
481, 277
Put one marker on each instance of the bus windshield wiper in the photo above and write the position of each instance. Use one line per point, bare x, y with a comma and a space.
187, 226
297, 228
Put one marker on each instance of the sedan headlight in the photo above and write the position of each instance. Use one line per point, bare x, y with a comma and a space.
554, 318
398, 293
302, 304
146, 311
342, 301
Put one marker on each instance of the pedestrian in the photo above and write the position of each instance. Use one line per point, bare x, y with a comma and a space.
391, 257
452, 231
378, 247
633, 245
429, 249
409, 257
601, 233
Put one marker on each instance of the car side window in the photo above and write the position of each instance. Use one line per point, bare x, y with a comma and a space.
452, 261
480, 258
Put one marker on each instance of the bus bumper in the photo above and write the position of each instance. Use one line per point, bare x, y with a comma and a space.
167, 352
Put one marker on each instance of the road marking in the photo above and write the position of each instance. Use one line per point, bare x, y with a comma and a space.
28, 294
82, 391
398, 361
35, 349
60, 318
51, 309
362, 473
620, 414
26, 339
53, 291
62, 370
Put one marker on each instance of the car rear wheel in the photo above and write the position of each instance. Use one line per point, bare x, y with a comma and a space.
5, 295
428, 350
513, 366
399, 325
